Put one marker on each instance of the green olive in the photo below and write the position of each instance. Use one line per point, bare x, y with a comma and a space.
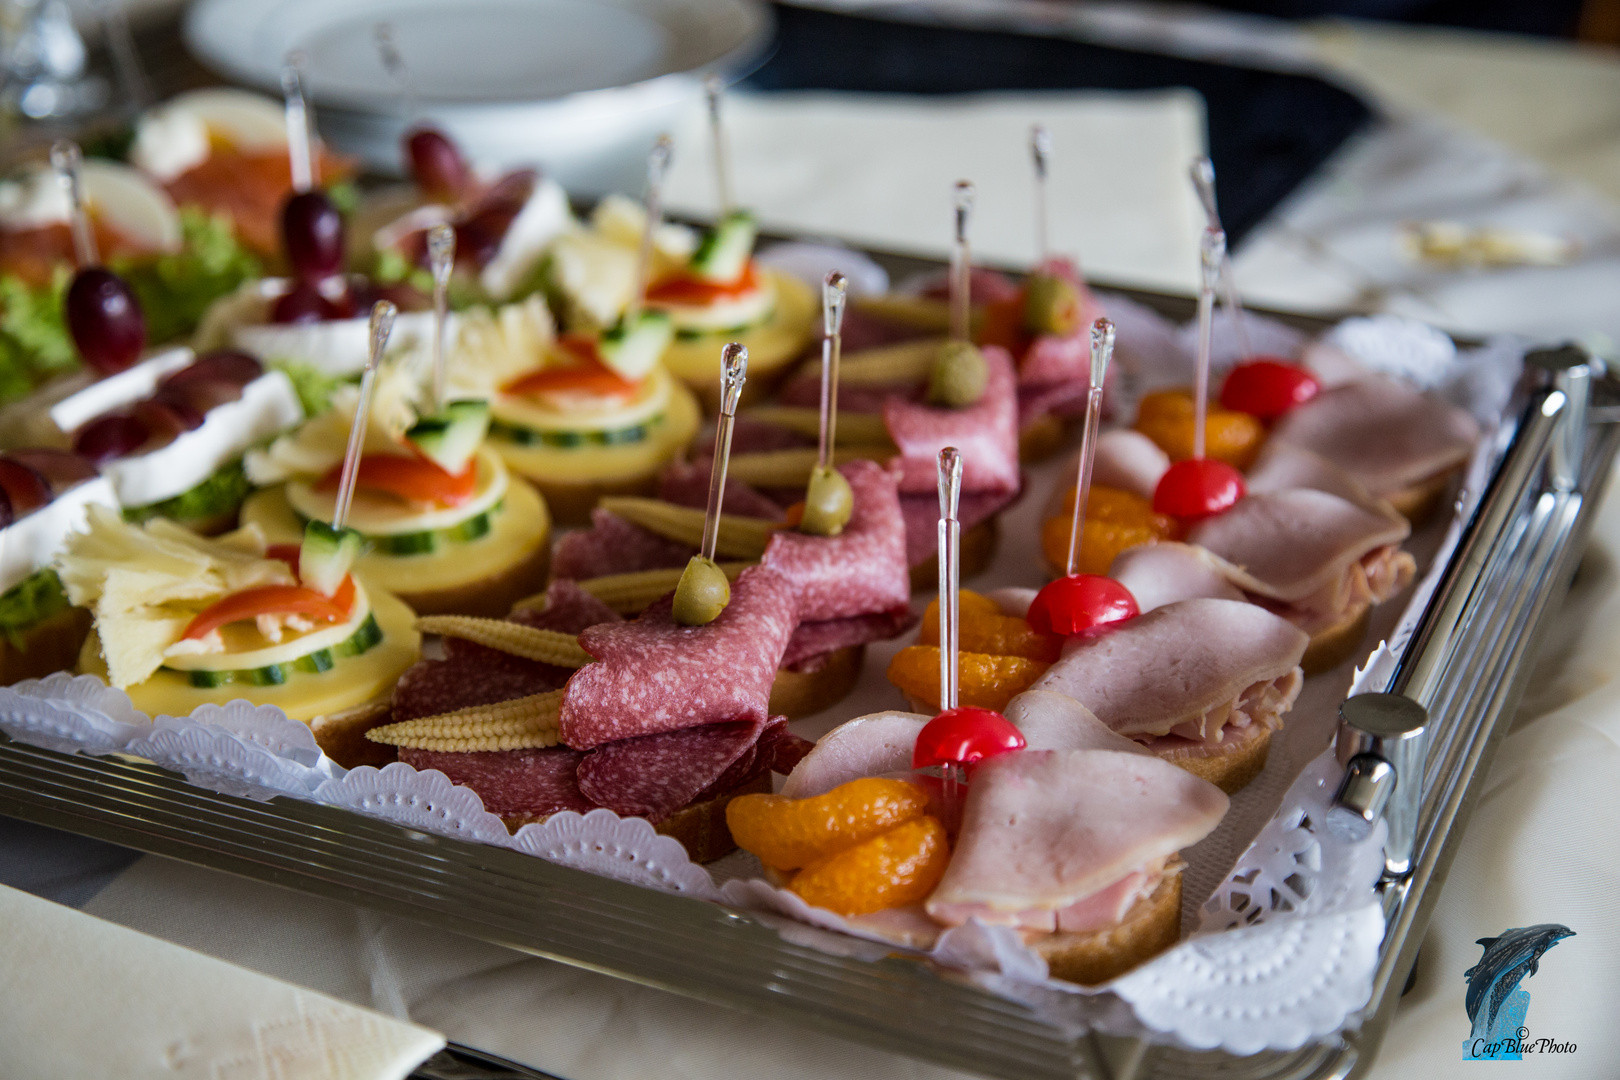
1051, 305
702, 594
958, 376
828, 503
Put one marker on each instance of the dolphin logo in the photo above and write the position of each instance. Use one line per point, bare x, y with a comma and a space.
1509, 959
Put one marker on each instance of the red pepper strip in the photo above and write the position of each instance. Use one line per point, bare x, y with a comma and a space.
589, 376
695, 292
272, 600
413, 478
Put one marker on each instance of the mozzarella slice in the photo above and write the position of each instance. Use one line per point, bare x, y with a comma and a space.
544, 217
135, 383
32, 543
180, 134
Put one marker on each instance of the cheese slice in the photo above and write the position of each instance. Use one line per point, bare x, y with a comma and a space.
772, 345
384, 515
599, 464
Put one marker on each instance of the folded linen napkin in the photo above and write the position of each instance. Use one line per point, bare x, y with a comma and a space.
81, 997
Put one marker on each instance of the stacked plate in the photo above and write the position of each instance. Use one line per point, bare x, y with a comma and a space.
581, 87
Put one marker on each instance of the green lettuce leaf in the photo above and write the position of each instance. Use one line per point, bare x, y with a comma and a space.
313, 386
31, 601
220, 494
174, 290
34, 341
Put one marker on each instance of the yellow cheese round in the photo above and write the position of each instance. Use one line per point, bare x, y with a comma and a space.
519, 529
607, 464
352, 681
773, 344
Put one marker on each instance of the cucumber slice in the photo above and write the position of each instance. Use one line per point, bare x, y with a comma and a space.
326, 555
430, 540
574, 440
451, 438
314, 663
633, 346
724, 250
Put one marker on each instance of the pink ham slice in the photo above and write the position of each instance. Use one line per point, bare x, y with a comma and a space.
1047, 830
986, 433
653, 675
860, 571
866, 746
1284, 466
1181, 667
1129, 461
1292, 545
1163, 573
1051, 721
1382, 431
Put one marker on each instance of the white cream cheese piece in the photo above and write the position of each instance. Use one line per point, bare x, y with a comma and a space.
114, 194
32, 542
544, 217
134, 383
268, 405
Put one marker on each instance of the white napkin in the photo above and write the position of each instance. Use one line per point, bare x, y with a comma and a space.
878, 169
80, 997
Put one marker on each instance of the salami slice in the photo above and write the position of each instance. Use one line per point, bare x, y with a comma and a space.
750, 436
653, 675
613, 545
512, 782
862, 569
1062, 358
805, 391
812, 640
688, 485
986, 433
569, 609
653, 776
922, 519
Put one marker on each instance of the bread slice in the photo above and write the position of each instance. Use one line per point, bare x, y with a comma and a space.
1419, 502
342, 736
1152, 925
977, 549
800, 693
1238, 760
700, 827
1337, 642
48, 646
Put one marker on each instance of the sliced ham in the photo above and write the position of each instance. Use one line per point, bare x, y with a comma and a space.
1292, 545
1179, 668
1382, 431
866, 746
1284, 466
1058, 722
863, 569
1163, 573
1129, 461
986, 433
1047, 830
653, 675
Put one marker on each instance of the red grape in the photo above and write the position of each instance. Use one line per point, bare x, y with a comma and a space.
24, 487
436, 164
168, 417
61, 468
6, 514
110, 437
222, 366
312, 233
105, 320
479, 234
303, 303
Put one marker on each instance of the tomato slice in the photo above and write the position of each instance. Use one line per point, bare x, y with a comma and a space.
287, 553
589, 376
272, 600
413, 478
696, 292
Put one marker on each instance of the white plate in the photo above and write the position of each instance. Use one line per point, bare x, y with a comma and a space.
470, 52
581, 87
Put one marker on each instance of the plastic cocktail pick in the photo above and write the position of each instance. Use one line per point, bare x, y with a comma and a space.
1202, 172
961, 263
441, 245
833, 293
300, 140
713, 88
382, 325
950, 573
657, 167
733, 374
65, 160
1102, 350
1040, 149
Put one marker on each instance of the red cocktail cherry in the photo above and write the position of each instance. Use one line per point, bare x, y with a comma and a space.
1081, 604
1267, 386
1198, 488
963, 736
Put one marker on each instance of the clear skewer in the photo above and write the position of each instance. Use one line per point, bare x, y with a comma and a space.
126, 61
1102, 350
733, 374
833, 292
657, 167
1202, 172
1040, 149
950, 539
65, 160
441, 245
300, 148
713, 88
961, 263
393, 62
382, 325
1211, 252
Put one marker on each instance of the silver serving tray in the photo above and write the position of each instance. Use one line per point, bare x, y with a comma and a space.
1466, 663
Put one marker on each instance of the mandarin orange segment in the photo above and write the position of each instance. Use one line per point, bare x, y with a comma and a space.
983, 681
789, 833
1115, 520
898, 867
985, 629
1166, 417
